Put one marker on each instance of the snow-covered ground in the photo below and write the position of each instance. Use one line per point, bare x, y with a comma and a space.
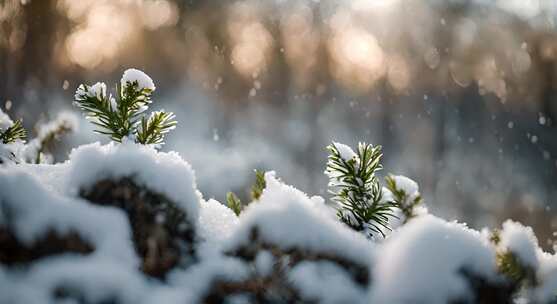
287, 247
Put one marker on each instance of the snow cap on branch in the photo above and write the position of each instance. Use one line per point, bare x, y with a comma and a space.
521, 241
345, 151
143, 81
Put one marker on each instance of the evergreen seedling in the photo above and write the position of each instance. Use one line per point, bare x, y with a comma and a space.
405, 201
356, 188
122, 117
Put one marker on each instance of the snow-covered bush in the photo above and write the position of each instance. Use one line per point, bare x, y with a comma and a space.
124, 223
156, 190
291, 241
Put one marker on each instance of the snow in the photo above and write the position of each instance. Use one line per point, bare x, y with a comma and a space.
5, 121
345, 151
216, 223
521, 241
199, 278
290, 219
32, 211
547, 274
407, 185
424, 260
326, 282
421, 261
164, 173
97, 90
135, 75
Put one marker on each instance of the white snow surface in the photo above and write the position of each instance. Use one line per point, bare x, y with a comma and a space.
421, 262
407, 185
33, 211
135, 75
288, 218
164, 173
547, 274
521, 241
326, 282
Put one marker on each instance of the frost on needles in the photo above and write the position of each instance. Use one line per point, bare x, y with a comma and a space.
122, 117
356, 188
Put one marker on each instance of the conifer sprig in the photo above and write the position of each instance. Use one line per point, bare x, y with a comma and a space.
13, 133
234, 203
405, 201
153, 129
356, 188
123, 116
259, 185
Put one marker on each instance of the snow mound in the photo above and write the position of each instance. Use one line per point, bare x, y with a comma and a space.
290, 219
424, 260
547, 276
407, 185
32, 211
521, 241
165, 173
295, 248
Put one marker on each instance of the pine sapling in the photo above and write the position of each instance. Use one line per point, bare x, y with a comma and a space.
258, 186
47, 134
356, 188
233, 201
123, 117
405, 195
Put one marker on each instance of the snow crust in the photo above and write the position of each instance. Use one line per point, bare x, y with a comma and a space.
287, 217
326, 282
165, 173
407, 185
521, 241
424, 261
32, 211
135, 75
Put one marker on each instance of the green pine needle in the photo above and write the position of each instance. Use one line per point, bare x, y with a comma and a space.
356, 188
13, 133
234, 203
153, 129
259, 185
